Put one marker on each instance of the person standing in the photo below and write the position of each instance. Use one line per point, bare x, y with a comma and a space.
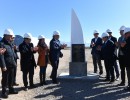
107, 51
16, 57
121, 56
42, 59
96, 43
126, 50
27, 60
54, 54
7, 60
114, 39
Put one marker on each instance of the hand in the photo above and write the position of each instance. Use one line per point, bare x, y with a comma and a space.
93, 44
35, 49
15, 47
4, 69
2, 50
123, 44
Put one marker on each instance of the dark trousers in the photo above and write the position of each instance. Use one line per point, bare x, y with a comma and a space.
97, 60
54, 70
116, 69
109, 66
42, 73
15, 72
29, 71
122, 67
7, 79
128, 74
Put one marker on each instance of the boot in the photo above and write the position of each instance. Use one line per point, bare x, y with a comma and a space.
4, 93
41, 79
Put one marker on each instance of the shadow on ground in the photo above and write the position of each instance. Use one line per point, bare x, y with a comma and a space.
84, 90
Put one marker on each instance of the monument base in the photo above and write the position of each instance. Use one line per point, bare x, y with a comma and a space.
78, 68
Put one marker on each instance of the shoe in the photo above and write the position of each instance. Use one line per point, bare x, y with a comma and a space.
13, 92
106, 80
127, 88
15, 84
55, 82
117, 79
4, 95
41, 84
121, 84
25, 89
112, 81
32, 86
44, 83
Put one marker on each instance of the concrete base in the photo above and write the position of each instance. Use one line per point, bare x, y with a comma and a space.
78, 68
90, 76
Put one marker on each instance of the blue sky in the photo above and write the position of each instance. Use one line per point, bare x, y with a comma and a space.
45, 16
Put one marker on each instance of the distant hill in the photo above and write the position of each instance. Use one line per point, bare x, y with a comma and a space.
18, 40
0, 38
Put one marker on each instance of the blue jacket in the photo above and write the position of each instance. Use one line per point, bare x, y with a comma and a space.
97, 43
55, 49
8, 58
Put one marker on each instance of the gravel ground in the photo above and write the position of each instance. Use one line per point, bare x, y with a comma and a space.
70, 89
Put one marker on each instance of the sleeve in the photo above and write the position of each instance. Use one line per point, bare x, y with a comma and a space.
2, 60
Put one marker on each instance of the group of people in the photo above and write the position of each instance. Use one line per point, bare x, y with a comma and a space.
8, 60
109, 49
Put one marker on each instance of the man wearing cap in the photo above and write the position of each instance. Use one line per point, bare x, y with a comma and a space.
114, 39
27, 60
121, 56
54, 54
96, 43
7, 60
126, 50
107, 51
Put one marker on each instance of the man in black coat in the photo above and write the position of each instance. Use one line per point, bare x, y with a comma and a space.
107, 51
126, 50
96, 43
27, 60
16, 57
54, 54
122, 57
7, 63
114, 39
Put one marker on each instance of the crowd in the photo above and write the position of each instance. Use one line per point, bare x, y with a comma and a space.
8, 60
109, 49
106, 48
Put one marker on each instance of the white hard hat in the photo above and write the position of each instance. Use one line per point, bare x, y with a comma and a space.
122, 28
127, 29
56, 33
8, 32
95, 31
41, 37
108, 30
105, 34
28, 35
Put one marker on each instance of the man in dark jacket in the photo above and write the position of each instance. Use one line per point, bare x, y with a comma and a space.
16, 57
8, 64
121, 56
114, 39
107, 51
96, 43
126, 50
27, 60
54, 54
